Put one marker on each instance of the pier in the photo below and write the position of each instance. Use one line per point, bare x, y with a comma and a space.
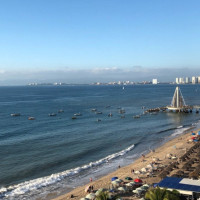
177, 105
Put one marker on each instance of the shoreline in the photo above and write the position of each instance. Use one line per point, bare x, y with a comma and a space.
176, 146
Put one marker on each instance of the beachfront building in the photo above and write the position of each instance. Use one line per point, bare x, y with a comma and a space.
187, 80
177, 80
194, 80
155, 81
187, 187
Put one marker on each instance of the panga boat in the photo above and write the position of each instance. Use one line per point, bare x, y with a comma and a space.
98, 120
52, 114
61, 111
93, 109
98, 112
136, 116
77, 114
110, 115
73, 117
15, 114
31, 118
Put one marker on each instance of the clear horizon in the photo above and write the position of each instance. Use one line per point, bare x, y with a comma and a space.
89, 41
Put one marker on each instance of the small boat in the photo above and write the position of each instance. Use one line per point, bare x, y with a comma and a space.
77, 114
61, 111
31, 118
98, 120
98, 113
110, 114
15, 114
93, 109
122, 111
136, 116
74, 117
52, 114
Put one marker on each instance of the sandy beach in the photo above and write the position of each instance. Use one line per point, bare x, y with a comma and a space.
177, 147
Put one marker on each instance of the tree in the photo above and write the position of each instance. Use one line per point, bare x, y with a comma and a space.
103, 195
162, 194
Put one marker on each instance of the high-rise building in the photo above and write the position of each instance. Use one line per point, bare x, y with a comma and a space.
177, 80
187, 80
194, 80
181, 80
155, 81
198, 79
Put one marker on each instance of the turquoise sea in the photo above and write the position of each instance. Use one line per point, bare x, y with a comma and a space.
54, 154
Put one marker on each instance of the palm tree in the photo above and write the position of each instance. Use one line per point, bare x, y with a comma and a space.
162, 194
156, 194
103, 195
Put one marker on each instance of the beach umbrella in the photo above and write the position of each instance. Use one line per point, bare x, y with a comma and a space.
146, 185
114, 178
91, 196
122, 189
144, 169
137, 172
128, 178
193, 134
137, 180
129, 185
120, 180
115, 182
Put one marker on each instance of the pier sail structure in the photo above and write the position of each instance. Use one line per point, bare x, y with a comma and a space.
178, 102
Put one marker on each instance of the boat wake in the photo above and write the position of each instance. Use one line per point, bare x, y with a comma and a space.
14, 191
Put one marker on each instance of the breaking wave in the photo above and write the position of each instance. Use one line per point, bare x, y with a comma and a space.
28, 186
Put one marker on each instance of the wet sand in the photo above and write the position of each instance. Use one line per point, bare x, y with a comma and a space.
177, 146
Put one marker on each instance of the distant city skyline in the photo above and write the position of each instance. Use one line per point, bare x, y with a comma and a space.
84, 41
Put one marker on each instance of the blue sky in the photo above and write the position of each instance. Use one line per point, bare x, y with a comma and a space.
72, 36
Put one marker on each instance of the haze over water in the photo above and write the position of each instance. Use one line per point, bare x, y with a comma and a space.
55, 154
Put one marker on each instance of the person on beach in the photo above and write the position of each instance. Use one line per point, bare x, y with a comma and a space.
132, 171
90, 179
119, 166
143, 156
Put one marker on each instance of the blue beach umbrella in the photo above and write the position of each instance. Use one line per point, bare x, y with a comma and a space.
114, 178
193, 134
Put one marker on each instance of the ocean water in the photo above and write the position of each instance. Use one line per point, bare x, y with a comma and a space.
54, 154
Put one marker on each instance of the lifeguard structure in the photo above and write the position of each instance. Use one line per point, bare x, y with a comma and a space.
178, 103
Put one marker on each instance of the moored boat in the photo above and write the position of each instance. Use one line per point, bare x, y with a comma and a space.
15, 114
77, 114
52, 114
31, 118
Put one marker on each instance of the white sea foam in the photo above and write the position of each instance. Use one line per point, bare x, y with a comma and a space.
35, 184
179, 131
